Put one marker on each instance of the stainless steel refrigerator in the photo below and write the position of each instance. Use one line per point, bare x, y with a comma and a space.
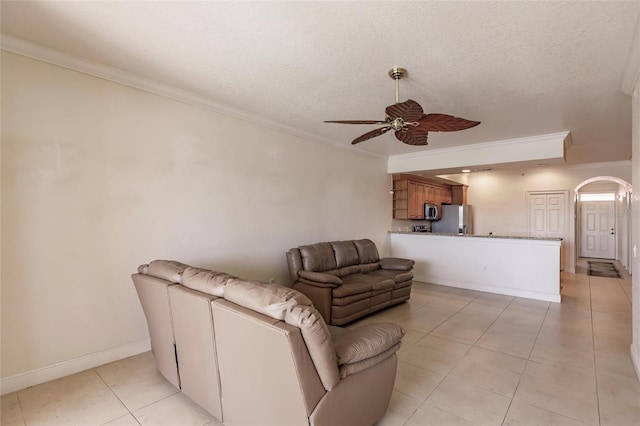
454, 219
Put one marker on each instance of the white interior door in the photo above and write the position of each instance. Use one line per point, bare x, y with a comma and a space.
547, 218
598, 229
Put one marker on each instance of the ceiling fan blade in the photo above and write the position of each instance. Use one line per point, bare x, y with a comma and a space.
408, 110
413, 136
444, 123
356, 121
371, 134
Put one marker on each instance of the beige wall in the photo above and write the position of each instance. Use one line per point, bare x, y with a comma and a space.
98, 178
500, 203
499, 197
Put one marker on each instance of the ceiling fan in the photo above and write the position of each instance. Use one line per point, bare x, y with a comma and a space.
408, 120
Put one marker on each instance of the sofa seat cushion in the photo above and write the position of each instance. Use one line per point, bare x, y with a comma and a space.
403, 284
348, 270
350, 287
366, 342
377, 282
341, 315
396, 276
365, 268
347, 300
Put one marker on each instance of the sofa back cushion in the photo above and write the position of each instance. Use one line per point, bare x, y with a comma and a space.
206, 281
367, 251
295, 309
345, 253
318, 257
168, 270
272, 300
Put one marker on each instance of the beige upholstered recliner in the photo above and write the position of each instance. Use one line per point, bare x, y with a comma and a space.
261, 354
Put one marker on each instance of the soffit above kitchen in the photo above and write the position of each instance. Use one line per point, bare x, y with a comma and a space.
523, 69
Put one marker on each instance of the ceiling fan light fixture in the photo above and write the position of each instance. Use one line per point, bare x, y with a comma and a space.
408, 120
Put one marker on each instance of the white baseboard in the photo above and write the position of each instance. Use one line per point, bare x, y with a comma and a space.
507, 291
635, 360
72, 366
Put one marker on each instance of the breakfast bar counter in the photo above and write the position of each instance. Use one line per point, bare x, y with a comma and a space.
515, 266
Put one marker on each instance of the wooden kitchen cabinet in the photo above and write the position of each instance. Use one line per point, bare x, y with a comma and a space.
447, 197
415, 198
459, 194
411, 192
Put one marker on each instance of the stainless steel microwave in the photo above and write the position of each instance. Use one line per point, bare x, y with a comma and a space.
430, 211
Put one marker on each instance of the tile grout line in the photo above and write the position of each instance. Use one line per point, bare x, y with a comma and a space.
494, 321
593, 345
527, 362
520, 375
470, 347
424, 401
95, 370
24, 419
448, 318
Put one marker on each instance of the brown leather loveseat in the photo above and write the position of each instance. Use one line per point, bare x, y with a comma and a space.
252, 353
347, 280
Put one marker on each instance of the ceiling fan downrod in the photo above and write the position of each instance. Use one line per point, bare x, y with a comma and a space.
397, 73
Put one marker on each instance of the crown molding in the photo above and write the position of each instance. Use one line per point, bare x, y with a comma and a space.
623, 163
65, 60
631, 74
532, 148
565, 136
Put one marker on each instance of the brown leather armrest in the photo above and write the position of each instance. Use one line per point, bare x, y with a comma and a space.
311, 277
396, 264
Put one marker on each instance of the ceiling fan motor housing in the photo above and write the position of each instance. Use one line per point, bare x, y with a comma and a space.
397, 73
397, 124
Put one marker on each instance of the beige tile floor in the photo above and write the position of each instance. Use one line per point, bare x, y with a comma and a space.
468, 358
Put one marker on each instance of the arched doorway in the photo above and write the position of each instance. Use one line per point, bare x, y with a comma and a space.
618, 217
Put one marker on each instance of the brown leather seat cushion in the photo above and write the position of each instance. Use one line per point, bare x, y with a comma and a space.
396, 276
376, 283
350, 286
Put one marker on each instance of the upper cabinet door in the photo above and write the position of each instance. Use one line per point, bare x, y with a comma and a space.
412, 192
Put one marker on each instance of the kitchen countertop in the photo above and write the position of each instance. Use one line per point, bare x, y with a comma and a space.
476, 236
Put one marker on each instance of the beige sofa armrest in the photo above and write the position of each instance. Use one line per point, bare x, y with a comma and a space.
311, 277
366, 346
396, 264
356, 367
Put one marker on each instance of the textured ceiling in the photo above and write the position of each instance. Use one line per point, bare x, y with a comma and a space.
522, 68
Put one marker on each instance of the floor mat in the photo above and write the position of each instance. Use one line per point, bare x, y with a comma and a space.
603, 269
